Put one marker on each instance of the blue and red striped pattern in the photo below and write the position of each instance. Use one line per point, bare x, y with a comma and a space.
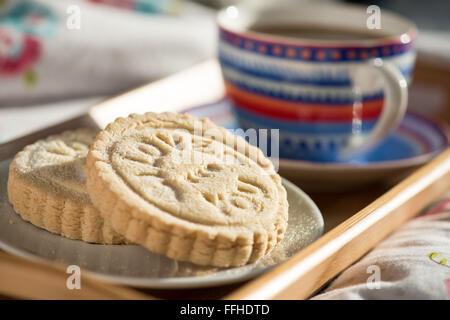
416, 135
308, 91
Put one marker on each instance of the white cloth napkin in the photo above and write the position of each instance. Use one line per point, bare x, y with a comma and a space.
44, 56
413, 263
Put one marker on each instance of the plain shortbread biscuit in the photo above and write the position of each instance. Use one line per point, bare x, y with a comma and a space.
187, 189
46, 186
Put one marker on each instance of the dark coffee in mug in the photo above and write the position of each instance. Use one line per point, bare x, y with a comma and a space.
317, 32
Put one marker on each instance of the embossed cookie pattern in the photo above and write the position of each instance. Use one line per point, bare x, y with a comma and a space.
212, 200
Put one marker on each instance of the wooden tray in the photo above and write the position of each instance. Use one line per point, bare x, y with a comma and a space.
354, 221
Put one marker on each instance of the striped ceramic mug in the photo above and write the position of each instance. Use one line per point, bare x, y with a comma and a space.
333, 96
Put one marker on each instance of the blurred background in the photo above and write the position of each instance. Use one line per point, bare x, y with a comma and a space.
58, 57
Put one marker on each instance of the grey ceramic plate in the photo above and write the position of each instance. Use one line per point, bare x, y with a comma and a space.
135, 266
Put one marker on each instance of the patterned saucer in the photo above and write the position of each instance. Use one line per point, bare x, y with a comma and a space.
415, 142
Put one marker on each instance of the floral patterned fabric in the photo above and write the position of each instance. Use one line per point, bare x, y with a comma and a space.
44, 58
22, 24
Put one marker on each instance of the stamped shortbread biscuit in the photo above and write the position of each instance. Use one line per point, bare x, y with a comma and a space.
46, 186
187, 189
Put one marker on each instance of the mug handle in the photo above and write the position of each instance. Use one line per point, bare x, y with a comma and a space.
395, 103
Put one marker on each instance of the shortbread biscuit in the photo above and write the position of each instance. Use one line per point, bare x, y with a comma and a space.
187, 189
46, 187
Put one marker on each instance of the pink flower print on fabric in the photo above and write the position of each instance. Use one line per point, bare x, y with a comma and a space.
447, 286
18, 51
